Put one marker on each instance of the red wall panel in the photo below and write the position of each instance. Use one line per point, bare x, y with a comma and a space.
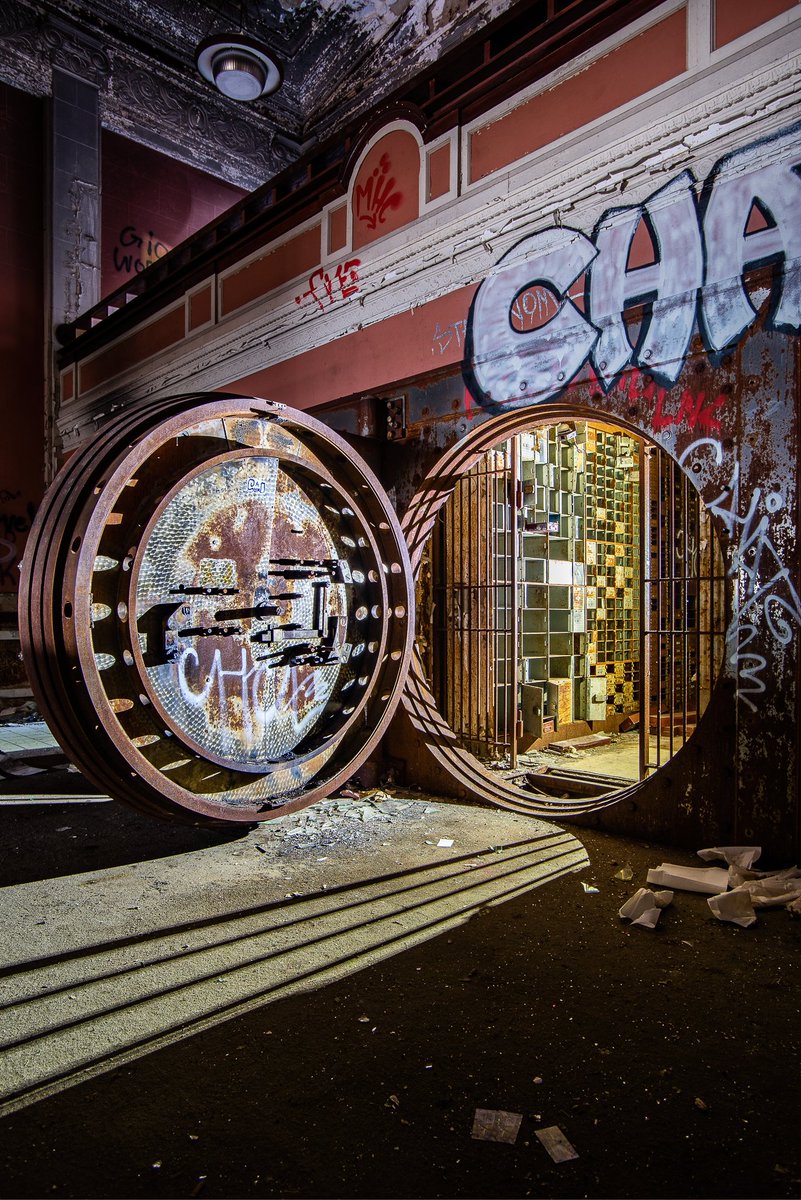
150, 204
21, 323
733, 18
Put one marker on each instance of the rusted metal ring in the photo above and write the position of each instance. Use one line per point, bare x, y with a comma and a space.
217, 609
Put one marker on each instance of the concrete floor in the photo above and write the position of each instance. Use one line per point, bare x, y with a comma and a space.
102, 966
317, 1007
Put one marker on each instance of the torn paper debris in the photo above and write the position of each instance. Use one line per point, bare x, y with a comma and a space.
733, 906
446, 843
743, 857
496, 1125
644, 907
769, 891
556, 1143
708, 880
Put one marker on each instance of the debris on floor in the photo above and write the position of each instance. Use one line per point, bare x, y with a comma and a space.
556, 1144
589, 889
736, 907
18, 706
353, 818
709, 880
743, 857
644, 907
588, 742
733, 894
496, 1125
625, 874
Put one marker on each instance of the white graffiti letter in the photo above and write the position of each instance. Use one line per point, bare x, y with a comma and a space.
673, 282
761, 174
511, 365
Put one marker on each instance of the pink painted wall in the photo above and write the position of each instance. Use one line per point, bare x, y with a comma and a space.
21, 323
150, 204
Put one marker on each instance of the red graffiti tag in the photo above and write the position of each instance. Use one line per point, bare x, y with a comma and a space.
693, 411
325, 289
374, 199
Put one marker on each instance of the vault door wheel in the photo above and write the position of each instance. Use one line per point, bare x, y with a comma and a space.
231, 621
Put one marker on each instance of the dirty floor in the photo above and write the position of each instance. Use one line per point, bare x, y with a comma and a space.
668, 1058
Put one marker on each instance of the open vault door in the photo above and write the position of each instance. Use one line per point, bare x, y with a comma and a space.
216, 609
577, 599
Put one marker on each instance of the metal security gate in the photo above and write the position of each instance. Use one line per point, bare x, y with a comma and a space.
683, 617
475, 620
656, 659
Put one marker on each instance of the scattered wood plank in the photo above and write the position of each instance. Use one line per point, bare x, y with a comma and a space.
588, 742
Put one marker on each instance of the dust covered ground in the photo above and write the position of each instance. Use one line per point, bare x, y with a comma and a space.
668, 1058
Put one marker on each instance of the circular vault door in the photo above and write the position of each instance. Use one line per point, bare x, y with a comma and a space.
216, 609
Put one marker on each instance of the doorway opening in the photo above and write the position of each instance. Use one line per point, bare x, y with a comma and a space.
573, 625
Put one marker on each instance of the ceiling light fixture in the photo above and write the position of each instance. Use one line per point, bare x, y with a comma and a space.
240, 67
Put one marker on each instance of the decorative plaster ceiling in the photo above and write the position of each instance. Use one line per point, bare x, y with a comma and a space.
340, 58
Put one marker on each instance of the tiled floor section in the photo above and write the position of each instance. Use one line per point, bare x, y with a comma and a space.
32, 735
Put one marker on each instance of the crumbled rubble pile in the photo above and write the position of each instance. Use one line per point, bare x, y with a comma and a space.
16, 710
350, 819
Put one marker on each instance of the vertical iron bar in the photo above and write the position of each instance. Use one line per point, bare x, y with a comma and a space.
644, 567
513, 654
670, 557
688, 631
660, 535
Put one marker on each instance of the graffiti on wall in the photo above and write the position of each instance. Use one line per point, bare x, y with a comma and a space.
705, 240
325, 289
746, 214
764, 590
135, 251
377, 196
16, 518
660, 408
444, 336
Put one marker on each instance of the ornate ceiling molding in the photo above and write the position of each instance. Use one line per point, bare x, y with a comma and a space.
24, 58
159, 111
145, 101
76, 52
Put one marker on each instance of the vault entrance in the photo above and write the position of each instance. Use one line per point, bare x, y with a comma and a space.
574, 625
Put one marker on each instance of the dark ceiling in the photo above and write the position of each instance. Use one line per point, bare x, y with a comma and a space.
340, 58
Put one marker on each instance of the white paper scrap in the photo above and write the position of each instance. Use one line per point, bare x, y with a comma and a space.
709, 880
648, 919
733, 906
769, 891
640, 902
556, 1143
446, 842
743, 857
496, 1125
644, 907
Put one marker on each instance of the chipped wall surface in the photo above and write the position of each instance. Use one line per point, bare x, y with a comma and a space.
150, 204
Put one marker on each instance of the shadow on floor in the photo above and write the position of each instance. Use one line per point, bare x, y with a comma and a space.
43, 841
